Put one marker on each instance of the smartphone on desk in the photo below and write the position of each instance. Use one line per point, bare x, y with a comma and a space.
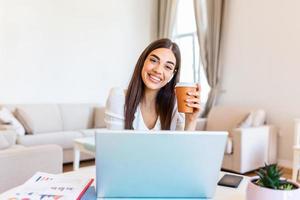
229, 180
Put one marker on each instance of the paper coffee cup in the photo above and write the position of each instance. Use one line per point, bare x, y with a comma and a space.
181, 93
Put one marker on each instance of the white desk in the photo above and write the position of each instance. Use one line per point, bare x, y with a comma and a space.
222, 193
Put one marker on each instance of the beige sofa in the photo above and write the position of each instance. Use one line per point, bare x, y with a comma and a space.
58, 124
18, 163
251, 143
51, 129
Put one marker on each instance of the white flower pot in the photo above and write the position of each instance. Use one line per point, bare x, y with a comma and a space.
255, 192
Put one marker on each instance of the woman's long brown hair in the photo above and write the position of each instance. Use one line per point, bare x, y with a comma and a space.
165, 99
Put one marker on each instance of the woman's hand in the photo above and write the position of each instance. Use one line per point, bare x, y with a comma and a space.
194, 102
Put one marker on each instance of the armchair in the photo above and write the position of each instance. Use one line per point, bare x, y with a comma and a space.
248, 147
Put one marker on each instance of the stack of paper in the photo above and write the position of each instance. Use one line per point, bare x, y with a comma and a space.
44, 186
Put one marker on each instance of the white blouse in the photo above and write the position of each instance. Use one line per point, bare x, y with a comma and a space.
114, 114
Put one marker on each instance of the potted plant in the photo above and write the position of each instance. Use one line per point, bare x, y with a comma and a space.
269, 185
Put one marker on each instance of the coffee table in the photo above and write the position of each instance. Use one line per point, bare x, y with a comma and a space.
86, 145
222, 193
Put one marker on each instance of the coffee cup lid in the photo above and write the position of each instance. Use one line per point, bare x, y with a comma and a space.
185, 84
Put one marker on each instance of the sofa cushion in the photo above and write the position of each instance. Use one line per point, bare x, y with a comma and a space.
3, 142
7, 139
99, 117
7, 117
225, 118
63, 139
77, 116
90, 132
39, 118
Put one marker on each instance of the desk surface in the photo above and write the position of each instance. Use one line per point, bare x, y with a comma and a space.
222, 193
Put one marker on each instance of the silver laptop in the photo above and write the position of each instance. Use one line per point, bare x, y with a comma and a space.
166, 164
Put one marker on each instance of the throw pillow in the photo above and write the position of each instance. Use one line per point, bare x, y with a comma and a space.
247, 121
25, 120
7, 117
99, 117
6, 127
3, 142
254, 119
259, 118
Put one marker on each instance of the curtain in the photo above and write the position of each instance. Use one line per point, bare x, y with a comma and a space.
208, 15
166, 17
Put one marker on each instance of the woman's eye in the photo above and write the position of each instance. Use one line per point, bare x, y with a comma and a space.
169, 67
153, 60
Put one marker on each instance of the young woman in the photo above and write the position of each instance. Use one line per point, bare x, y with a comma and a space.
149, 103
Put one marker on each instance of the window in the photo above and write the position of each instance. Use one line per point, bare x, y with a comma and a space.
185, 35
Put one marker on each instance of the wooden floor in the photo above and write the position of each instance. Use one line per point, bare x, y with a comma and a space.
287, 173
69, 166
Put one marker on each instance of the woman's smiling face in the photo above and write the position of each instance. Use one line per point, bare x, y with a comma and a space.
159, 68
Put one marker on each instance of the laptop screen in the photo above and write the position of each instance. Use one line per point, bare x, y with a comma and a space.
177, 164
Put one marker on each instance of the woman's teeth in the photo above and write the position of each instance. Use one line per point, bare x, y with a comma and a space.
154, 78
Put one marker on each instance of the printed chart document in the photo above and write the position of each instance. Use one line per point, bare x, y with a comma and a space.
44, 186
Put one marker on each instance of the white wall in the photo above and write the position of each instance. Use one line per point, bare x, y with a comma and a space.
261, 62
70, 51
